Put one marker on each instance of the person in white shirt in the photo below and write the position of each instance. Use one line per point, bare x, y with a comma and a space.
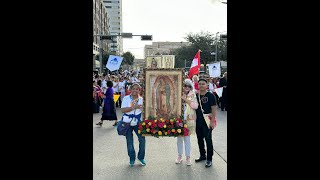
137, 79
133, 79
212, 86
131, 107
125, 72
122, 88
116, 90
104, 84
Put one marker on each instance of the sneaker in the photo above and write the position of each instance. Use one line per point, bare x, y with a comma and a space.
188, 161
142, 162
208, 164
179, 160
131, 163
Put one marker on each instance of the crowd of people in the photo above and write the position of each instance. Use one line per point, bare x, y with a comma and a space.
200, 102
119, 83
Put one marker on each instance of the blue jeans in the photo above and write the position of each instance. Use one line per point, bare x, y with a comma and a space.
130, 147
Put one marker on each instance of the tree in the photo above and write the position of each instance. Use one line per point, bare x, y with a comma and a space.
222, 50
205, 42
128, 58
184, 56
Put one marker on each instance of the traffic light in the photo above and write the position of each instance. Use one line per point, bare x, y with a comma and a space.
146, 38
106, 37
223, 36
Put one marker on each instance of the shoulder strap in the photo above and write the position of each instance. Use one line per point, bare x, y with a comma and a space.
200, 103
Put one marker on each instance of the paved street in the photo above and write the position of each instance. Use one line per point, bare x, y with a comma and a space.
110, 159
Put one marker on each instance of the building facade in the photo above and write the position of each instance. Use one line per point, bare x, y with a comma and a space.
100, 26
160, 61
114, 9
139, 64
162, 48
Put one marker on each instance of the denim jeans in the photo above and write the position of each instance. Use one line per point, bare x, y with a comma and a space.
186, 140
130, 147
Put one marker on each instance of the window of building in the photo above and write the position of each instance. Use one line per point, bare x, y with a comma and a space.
108, 6
107, 1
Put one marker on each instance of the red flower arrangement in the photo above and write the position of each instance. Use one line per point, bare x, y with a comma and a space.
172, 127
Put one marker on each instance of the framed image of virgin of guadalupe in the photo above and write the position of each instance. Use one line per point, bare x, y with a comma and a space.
163, 91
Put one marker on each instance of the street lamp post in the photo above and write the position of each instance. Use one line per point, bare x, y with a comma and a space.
110, 38
216, 57
100, 56
216, 53
101, 43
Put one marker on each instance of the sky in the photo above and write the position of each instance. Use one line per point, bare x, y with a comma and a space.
169, 20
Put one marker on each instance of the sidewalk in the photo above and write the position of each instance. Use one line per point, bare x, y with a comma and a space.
110, 159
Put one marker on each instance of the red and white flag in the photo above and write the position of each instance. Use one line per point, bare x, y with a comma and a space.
195, 66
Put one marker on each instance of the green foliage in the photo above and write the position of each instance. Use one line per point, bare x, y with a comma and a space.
206, 43
128, 58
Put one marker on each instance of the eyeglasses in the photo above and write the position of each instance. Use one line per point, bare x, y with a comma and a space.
187, 86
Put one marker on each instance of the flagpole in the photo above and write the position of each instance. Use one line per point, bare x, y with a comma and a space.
199, 64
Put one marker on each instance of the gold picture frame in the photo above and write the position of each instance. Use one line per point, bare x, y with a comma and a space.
162, 93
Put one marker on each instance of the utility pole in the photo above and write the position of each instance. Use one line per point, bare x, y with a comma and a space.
110, 38
101, 42
216, 57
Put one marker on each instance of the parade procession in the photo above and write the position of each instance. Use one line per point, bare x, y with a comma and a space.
164, 115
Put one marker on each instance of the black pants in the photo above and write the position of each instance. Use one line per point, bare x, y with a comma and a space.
218, 99
203, 132
224, 99
96, 107
118, 103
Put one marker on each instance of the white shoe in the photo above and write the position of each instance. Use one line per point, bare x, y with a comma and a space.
188, 161
179, 160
